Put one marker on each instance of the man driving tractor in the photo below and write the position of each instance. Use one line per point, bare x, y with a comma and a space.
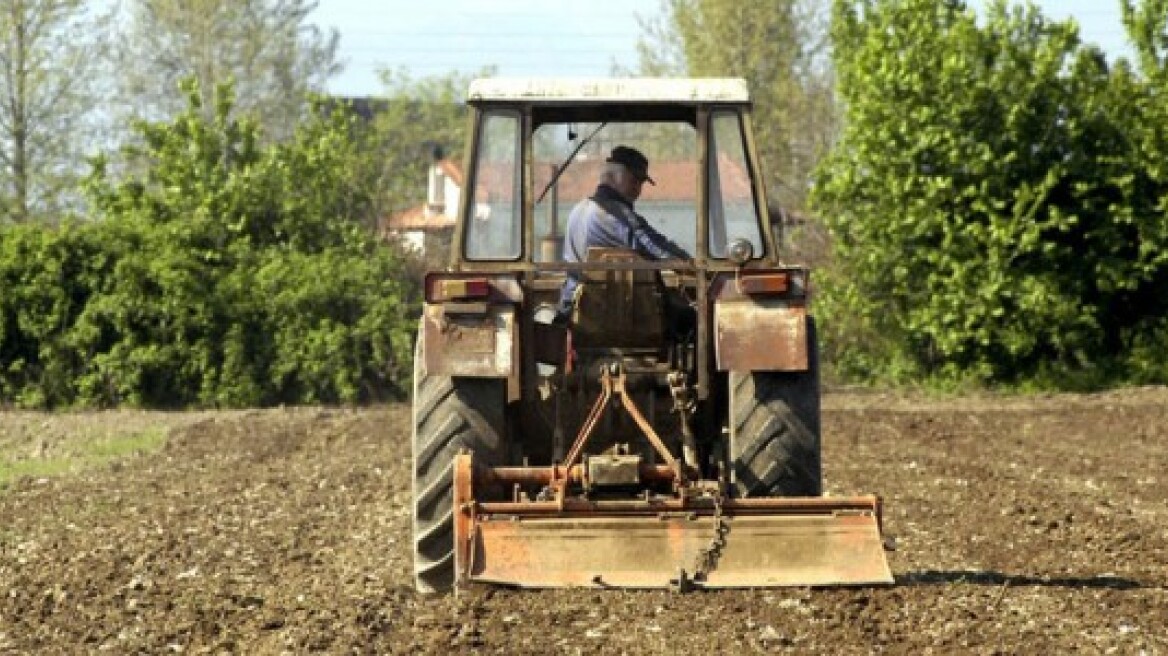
608, 219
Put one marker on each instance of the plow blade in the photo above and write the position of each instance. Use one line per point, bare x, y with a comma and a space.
737, 543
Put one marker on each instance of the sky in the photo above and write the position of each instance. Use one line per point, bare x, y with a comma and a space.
519, 37
547, 37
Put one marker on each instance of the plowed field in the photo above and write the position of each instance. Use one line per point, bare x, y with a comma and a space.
1035, 525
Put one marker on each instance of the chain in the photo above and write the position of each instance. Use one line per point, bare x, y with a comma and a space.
707, 559
683, 396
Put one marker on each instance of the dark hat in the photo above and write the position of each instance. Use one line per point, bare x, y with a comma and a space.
633, 160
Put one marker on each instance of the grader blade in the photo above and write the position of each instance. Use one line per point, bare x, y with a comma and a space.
673, 542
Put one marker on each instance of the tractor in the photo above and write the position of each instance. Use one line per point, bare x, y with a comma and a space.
602, 445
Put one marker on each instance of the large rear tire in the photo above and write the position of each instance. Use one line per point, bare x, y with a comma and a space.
775, 431
450, 415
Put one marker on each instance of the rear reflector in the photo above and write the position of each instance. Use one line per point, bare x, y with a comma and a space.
464, 289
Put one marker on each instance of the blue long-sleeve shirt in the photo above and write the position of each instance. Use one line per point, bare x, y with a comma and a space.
608, 219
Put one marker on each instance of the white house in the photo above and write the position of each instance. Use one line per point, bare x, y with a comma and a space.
435, 217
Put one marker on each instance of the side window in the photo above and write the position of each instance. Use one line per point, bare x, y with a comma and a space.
733, 211
493, 224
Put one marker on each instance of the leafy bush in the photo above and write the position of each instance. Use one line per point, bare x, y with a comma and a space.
217, 272
994, 219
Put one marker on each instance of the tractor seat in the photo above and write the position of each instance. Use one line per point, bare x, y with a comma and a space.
617, 309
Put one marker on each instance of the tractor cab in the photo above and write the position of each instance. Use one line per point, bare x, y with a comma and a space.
538, 150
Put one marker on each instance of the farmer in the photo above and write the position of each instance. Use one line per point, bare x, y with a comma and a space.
607, 219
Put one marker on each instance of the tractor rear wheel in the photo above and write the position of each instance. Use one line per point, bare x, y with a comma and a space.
774, 431
450, 415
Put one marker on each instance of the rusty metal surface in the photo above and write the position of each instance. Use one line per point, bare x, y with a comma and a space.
655, 542
789, 506
469, 339
650, 552
760, 335
614, 383
608, 548
613, 470
617, 308
465, 531
574, 474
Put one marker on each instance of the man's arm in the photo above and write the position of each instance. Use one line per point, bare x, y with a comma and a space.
650, 243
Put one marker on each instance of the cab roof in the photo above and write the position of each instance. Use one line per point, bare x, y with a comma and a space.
609, 90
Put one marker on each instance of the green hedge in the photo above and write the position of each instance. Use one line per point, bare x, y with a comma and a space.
997, 200
218, 272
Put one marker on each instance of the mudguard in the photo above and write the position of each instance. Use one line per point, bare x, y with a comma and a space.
760, 334
475, 339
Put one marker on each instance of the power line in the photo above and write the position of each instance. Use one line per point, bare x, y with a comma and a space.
478, 52
428, 34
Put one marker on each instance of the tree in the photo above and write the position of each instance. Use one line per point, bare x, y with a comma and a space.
265, 47
228, 272
421, 118
780, 48
991, 218
1147, 27
48, 59
1143, 102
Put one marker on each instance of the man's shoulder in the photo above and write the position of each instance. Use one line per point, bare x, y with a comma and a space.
588, 206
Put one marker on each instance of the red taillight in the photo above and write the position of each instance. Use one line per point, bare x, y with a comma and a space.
791, 283
763, 283
457, 289
462, 289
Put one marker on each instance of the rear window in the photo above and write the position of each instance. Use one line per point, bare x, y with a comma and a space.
670, 206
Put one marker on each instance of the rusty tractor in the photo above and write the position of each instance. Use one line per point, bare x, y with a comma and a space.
600, 445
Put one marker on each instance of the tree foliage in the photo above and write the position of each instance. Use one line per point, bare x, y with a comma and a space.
420, 118
780, 48
992, 205
266, 48
228, 273
49, 53
417, 121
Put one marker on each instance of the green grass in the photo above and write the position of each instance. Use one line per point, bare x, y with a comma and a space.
11, 470
80, 455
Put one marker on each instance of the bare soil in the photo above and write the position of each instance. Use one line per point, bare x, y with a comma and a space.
1022, 526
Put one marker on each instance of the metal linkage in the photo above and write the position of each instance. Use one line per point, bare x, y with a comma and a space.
684, 405
612, 382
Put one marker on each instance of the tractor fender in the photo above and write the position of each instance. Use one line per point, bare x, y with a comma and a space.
473, 339
760, 334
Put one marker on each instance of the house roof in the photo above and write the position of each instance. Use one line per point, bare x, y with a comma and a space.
677, 180
451, 170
